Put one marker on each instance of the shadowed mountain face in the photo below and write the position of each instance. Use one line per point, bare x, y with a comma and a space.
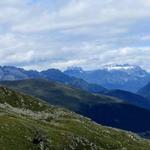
145, 91
57, 75
13, 73
102, 109
30, 123
129, 97
124, 77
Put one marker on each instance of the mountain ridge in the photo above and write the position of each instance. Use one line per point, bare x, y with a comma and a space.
30, 123
14, 73
124, 77
131, 98
102, 109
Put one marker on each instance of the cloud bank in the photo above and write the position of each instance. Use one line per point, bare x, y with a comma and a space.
39, 34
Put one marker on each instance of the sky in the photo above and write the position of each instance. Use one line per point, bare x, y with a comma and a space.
42, 34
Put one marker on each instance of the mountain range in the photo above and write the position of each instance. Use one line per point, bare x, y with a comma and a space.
13, 73
92, 100
58, 110
28, 123
125, 77
102, 109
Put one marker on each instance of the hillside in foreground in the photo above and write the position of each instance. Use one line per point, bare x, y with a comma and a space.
101, 109
29, 123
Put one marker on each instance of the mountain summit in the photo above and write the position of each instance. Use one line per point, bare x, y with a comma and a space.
119, 67
123, 67
124, 77
11, 73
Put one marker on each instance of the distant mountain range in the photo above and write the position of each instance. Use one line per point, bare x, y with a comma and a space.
112, 74
116, 107
124, 77
13, 73
105, 110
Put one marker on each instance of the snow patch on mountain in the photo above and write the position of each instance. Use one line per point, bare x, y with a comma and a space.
120, 67
129, 69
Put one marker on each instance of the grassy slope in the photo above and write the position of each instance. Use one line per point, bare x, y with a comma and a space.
54, 128
58, 94
102, 109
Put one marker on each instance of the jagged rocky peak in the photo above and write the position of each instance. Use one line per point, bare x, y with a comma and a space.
75, 69
121, 67
125, 68
115, 76
110, 67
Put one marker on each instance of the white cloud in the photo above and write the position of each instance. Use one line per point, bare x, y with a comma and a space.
84, 13
48, 33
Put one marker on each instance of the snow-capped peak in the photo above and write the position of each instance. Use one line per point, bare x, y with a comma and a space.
124, 67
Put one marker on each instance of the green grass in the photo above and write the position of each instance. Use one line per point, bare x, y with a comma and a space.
102, 109
60, 130
59, 94
18, 132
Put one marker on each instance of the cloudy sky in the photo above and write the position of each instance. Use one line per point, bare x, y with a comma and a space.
41, 34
